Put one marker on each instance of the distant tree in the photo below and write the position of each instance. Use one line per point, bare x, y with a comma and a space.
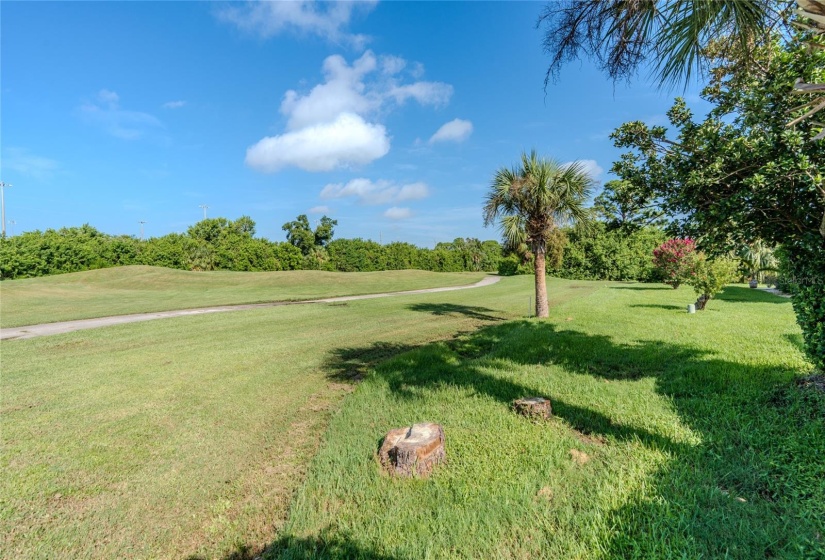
534, 200
300, 234
324, 231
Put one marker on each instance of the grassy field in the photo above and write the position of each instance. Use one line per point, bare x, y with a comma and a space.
140, 289
188, 436
674, 435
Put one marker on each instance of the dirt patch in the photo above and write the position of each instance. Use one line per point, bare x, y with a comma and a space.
546, 493
590, 439
579, 457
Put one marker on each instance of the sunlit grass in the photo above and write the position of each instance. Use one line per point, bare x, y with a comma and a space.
140, 289
188, 435
696, 443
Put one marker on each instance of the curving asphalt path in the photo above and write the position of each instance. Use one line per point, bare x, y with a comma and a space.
31, 331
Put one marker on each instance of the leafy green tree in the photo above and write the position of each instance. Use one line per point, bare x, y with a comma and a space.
300, 234
534, 200
628, 207
741, 174
596, 253
324, 231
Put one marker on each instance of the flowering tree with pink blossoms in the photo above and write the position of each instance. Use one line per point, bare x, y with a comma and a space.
675, 259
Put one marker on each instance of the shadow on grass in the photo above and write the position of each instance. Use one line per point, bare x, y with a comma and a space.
749, 490
653, 287
328, 544
473, 312
660, 306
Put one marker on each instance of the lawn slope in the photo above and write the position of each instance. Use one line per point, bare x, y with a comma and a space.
142, 289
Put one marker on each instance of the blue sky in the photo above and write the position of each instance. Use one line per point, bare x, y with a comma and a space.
390, 117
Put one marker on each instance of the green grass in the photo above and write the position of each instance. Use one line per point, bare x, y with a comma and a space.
699, 444
142, 289
215, 436
189, 435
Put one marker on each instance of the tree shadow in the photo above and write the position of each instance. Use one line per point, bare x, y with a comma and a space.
731, 406
642, 288
473, 312
328, 544
659, 306
353, 363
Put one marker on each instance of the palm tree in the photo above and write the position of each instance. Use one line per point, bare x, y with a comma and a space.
671, 37
531, 202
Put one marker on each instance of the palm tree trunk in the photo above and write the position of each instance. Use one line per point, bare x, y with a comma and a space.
542, 308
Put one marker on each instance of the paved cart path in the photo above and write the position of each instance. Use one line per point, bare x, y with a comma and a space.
45, 329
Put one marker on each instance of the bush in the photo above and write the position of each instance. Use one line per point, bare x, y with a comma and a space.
674, 260
709, 277
806, 279
596, 253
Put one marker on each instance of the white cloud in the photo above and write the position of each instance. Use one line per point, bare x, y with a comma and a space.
30, 165
396, 213
346, 141
427, 93
106, 113
323, 19
108, 98
319, 210
333, 124
376, 192
457, 130
343, 91
174, 104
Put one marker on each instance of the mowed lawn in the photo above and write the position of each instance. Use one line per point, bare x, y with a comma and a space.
188, 436
219, 436
674, 436
141, 289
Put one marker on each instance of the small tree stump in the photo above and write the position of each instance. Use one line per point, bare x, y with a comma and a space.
537, 408
413, 450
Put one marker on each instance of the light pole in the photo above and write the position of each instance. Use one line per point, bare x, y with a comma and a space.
141, 229
3, 205
204, 206
12, 222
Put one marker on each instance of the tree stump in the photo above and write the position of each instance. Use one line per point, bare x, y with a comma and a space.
413, 450
536, 408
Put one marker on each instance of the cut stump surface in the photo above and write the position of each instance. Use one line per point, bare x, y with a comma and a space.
534, 407
413, 450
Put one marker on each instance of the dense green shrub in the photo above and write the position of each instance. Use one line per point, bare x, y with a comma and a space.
221, 244
595, 253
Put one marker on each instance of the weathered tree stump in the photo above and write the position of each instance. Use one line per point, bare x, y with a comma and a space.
413, 450
536, 408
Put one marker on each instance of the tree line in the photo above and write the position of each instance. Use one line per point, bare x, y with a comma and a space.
597, 252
